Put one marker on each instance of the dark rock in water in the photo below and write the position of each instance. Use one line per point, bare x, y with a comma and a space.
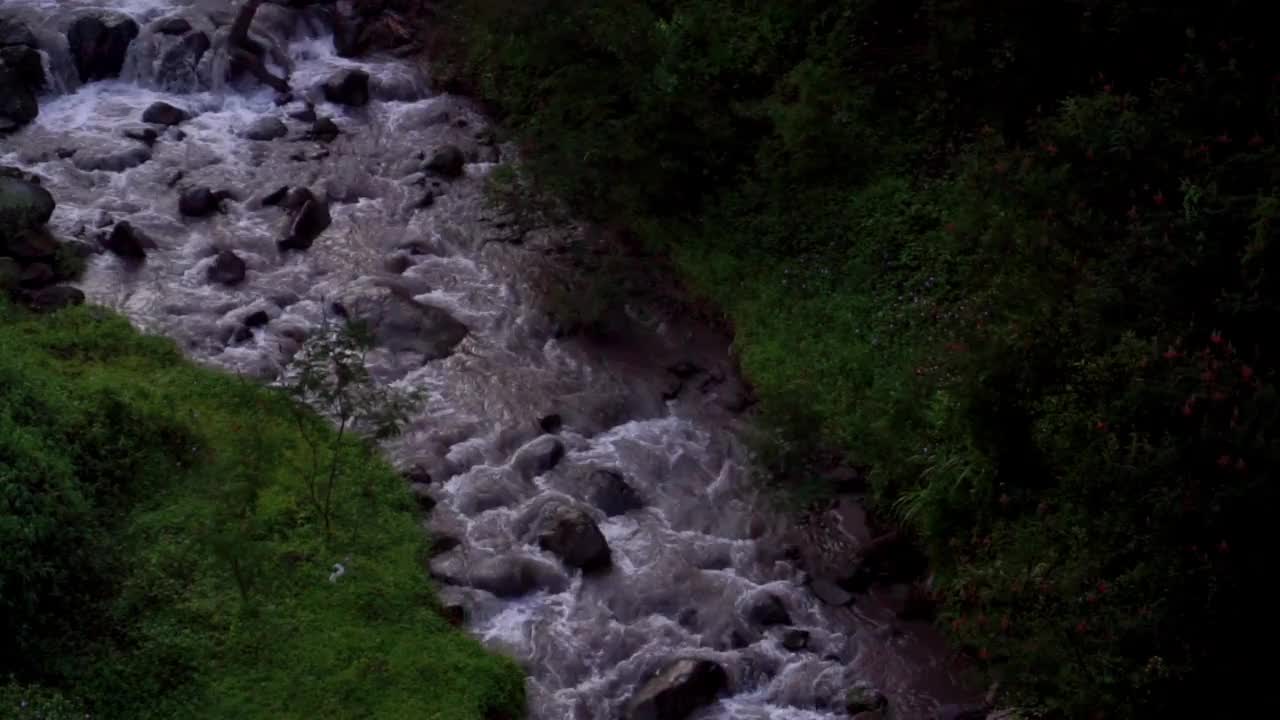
795, 640
178, 68
610, 492
325, 130
26, 63
766, 610
55, 298
307, 222
861, 699
961, 712
172, 26
18, 105
23, 205
99, 43
275, 197
112, 160
571, 534
142, 133
29, 244
538, 457
346, 36
550, 424
256, 319
403, 324
37, 275
441, 544
422, 493
427, 200
13, 32
830, 593
678, 691
455, 615
448, 162
417, 475
305, 114
397, 264
199, 202
265, 129
241, 335
517, 576
227, 269
128, 242
162, 113
348, 87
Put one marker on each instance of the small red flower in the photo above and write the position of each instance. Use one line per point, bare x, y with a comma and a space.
1187, 410
1203, 149
957, 624
1103, 587
983, 654
1051, 149
1256, 140
1090, 154
951, 228
1001, 167
1223, 548
1172, 354
1241, 466
1182, 70
1224, 461
1158, 199
1082, 627
1100, 426
1133, 212
1208, 376
1107, 88
1004, 624
1224, 138
1215, 338
1246, 372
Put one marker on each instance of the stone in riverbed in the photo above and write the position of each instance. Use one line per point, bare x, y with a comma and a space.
830, 593
610, 492
199, 202
766, 609
795, 640
112, 160
18, 104
172, 26
347, 87
448, 162
402, 324
23, 204
538, 457
178, 69
309, 218
13, 32
128, 242
142, 133
324, 130
265, 129
573, 536
162, 113
678, 691
99, 42
514, 577
227, 269
863, 699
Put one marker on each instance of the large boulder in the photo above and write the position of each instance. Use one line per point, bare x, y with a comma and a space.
55, 298
513, 577
14, 32
26, 63
538, 457
162, 113
111, 160
403, 324
347, 87
99, 43
766, 610
178, 67
23, 205
265, 129
573, 536
864, 699
18, 104
227, 269
609, 491
448, 161
199, 202
172, 26
309, 217
674, 694
128, 242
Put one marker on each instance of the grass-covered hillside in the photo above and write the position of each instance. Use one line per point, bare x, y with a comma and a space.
161, 558
1017, 258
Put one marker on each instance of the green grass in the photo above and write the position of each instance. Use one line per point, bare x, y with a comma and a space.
130, 480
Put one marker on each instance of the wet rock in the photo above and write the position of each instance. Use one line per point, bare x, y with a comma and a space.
307, 222
241, 335
18, 105
178, 69
795, 640
172, 26
403, 324
14, 32
538, 457
550, 424
112, 160
128, 242
441, 544
227, 269
448, 162
276, 197
863, 699
514, 577
766, 609
256, 319
162, 113
200, 202
612, 494
37, 275
99, 43
830, 593
26, 64
29, 244
306, 113
571, 534
455, 615
397, 264
961, 712
265, 129
23, 205
55, 298
427, 199
347, 87
142, 133
324, 130
422, 494
684, 687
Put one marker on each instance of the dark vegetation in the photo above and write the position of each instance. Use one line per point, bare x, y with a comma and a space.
168, 536
1016, 257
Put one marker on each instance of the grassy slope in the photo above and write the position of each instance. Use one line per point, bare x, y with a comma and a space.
155, 458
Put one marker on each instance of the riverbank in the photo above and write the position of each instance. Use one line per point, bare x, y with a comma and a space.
1027, 297
162, 559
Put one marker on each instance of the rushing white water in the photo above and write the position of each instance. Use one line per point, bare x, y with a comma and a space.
686, 566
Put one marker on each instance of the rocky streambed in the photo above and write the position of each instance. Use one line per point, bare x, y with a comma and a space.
234, 178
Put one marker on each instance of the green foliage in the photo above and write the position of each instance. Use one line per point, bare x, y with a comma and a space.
162, 559
1012, 256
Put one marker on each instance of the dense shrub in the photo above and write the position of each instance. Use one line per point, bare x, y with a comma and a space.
1012, 256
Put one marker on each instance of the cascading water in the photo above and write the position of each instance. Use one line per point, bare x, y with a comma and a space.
697, 569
